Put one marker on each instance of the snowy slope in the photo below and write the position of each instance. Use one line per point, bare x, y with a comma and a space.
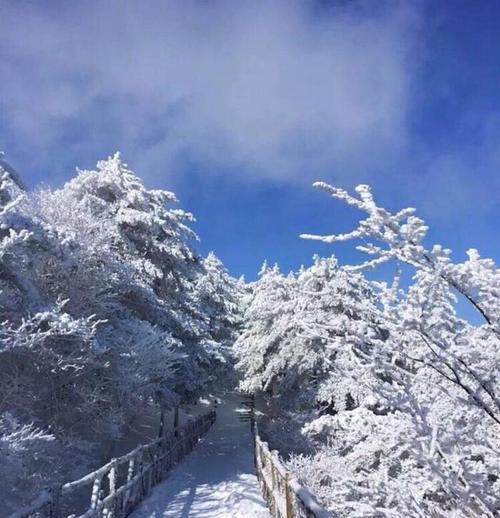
216, 480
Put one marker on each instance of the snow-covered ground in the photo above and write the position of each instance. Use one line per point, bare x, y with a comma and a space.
216, 480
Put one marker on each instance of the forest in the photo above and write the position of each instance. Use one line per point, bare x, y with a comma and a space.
377, 381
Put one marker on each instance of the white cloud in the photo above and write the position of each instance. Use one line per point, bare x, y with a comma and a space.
278, 89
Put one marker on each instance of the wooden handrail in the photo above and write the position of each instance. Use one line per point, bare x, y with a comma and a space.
284, 495
143, 468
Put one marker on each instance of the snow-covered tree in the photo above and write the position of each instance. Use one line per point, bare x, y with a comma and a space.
428, 313
106, 312
136, 263
219, 298
424, 439
219, 295
23, 249
303, 336
298, 325
132, 231
267, 326
400, 237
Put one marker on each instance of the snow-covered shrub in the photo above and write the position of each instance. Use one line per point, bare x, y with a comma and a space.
52, 370
27, 454
31, 459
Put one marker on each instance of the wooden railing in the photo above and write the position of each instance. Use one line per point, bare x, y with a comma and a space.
120, 485
284, 495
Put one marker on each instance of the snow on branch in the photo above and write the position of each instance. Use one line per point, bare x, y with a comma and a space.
400, 236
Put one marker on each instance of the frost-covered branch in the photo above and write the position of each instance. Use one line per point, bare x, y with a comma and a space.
402, 235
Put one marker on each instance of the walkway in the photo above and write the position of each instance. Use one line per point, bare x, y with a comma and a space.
216, 480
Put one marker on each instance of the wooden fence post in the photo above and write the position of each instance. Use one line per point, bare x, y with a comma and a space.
288, 497
113, 478
96, 490
256, 454
130, 475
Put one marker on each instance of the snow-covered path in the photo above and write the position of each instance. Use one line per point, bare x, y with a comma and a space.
216, 480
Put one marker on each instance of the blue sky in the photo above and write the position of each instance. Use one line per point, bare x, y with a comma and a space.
238, 106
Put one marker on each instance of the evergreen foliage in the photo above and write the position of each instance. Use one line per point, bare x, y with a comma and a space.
107, 311
394, 394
